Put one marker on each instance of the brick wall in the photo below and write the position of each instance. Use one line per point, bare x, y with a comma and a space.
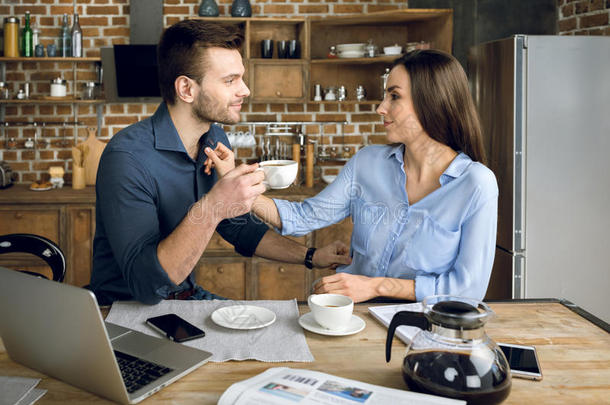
584, 17
106, 22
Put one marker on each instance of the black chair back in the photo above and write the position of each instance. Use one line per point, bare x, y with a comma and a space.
38, 246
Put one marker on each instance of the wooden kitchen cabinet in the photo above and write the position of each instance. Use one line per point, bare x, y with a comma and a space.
271, 80
227, 277
43, 221
292, 80
281, 281
65, 216
79, 253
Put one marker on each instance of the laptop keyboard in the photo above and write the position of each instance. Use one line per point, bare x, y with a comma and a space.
137, 372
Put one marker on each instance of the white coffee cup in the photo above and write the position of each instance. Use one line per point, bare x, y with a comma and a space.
331, 311
279, 173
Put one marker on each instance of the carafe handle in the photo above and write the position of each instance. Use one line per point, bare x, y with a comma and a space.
403, 318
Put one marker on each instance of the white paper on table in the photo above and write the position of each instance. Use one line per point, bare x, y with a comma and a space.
385, 313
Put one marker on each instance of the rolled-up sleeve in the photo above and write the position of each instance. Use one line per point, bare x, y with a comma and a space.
131, 225
243, 232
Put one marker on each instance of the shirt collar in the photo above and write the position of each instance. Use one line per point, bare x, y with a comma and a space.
166, 135
459, 164
167, 138
397, 151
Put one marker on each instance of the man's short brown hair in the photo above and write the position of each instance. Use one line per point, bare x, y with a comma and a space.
182, 47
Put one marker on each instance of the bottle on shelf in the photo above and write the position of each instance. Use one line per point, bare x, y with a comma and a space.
27, 49
11, 37
64, 45
35, 35
77, 38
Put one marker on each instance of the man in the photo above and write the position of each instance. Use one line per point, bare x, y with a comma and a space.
157, 202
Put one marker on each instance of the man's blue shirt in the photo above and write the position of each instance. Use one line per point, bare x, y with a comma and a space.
445, 241
146, 184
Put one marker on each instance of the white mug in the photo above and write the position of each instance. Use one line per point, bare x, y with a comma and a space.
279, 173
331, 311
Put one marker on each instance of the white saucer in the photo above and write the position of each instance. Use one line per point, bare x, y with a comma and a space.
243, 317
308, 322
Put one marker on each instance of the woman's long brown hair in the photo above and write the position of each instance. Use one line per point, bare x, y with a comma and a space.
442, 101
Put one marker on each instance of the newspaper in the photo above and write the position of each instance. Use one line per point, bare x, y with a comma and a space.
282, 385
385, 313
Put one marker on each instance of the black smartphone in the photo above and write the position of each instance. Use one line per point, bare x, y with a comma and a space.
523, 361
175, 328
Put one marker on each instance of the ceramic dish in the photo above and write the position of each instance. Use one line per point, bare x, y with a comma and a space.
243, 317
350, 47
329, 178
41, 188
38, 186
351, 54
392, 50
355, 325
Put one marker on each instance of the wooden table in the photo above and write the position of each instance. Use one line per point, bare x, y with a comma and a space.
574, 356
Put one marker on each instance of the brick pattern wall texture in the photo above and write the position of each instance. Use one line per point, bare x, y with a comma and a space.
106, 22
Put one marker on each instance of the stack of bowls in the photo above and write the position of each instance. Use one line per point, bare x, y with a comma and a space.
350, 50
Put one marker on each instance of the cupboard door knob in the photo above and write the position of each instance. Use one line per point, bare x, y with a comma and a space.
18, 215
220, 270
282, 270
278, 93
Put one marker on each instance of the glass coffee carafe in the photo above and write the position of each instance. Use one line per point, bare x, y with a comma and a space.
453, 356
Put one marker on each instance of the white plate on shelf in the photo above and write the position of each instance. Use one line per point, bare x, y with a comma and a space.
351, 54
355, 325
243, 317
350, 47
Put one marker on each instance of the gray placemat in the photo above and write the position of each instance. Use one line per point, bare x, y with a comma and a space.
32, 397
283, 340
14, 389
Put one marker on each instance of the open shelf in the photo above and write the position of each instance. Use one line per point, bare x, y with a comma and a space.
360, 61
50, 59
47, 101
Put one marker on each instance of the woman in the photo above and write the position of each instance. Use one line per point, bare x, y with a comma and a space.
424, 207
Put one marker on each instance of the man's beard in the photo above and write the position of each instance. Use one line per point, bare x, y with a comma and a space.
206, 109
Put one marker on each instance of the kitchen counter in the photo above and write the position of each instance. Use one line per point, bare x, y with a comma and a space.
20, 193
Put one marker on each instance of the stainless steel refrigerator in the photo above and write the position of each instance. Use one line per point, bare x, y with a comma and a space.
544, 103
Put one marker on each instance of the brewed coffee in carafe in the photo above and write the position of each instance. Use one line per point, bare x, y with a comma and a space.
453, 356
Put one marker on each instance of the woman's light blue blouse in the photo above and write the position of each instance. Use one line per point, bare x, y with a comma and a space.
445, 241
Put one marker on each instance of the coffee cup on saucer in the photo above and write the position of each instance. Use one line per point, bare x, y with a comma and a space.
331, 311
279, 173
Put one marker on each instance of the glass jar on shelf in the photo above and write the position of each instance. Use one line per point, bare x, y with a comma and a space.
89, 92
371, 50
4, 92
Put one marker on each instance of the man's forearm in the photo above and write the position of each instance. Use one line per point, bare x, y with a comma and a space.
181, 250
276, 247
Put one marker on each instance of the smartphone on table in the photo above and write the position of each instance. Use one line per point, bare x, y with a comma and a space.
523, 361
175, 328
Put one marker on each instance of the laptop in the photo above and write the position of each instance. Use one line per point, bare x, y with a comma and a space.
58, 330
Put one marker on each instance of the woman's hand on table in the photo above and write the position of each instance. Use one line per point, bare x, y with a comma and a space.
221, 158
358, 288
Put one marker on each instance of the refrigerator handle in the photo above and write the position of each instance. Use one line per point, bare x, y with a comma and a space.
519, 276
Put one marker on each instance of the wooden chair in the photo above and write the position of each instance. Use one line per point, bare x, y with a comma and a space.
38, 246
